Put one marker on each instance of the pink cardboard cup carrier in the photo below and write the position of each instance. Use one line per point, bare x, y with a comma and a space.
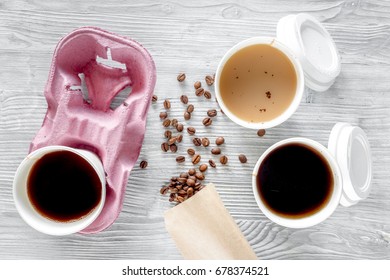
114, 135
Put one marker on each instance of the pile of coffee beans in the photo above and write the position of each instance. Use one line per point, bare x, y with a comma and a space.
185, 185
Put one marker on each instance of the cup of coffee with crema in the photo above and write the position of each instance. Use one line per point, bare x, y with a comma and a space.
59, 190
259, 83
297, 183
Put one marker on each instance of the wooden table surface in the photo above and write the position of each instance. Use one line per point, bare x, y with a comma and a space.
192, 37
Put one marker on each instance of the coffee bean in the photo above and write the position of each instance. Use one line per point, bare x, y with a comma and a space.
165, 147
180, 199
191, 152
197, 142
261, 132
203, 167
154, 98
220, 140
212, 113
172, 140
179, 127
192, 177
199, 91
143, 164
184, 99
205, 142
183, 175
196, 158
163, 115
190, 108
168, 134
212, 163
207, 94
173, 148
174, 122
199, 176
197, 84
191, 171
190, 182
215, 151
180, 159
242, 158
164, 189
166, 122
209, 80
187, 115
167, 104
223, 159
179, 138
191, 130
181, 77
207, 121
190, 192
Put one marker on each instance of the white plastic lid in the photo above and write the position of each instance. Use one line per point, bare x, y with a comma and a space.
313, 46
349, 145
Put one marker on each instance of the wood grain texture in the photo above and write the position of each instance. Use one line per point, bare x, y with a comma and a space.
192, 38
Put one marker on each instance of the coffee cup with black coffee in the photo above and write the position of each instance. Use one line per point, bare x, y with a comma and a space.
59, 190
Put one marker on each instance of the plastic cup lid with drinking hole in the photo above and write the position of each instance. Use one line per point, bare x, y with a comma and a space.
349, 145
313, 46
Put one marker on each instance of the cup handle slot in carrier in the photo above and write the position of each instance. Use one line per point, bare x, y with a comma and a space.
115, 135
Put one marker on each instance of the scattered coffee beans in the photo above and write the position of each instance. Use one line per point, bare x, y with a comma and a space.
261, 132
242, 158
165, 147
212, 113
223, 159
179, 138
207, 121
143, 164
174, 122
212, 163
171, 141
163, 115
173, 148
180, 159
168, 134
205, 142
197, 142
154, 98
197, 84
187, 115
196, 158
179, 127
191, 152
199, 176
166, 122
209, 80
199, 91
207, 94
184, 99
181, 77
167, 104
190, 108
220, 140
203, 167
215, 151
191, 130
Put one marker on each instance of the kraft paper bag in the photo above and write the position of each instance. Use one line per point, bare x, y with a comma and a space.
203, 229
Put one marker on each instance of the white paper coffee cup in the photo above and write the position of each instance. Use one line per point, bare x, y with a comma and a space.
33, 217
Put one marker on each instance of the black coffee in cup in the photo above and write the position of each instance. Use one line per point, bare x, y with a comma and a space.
63, 186
295, 181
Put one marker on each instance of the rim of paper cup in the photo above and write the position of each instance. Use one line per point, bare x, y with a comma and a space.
31, 216
299, 90
317, 217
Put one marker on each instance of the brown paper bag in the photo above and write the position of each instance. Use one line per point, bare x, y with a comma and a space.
202, 228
